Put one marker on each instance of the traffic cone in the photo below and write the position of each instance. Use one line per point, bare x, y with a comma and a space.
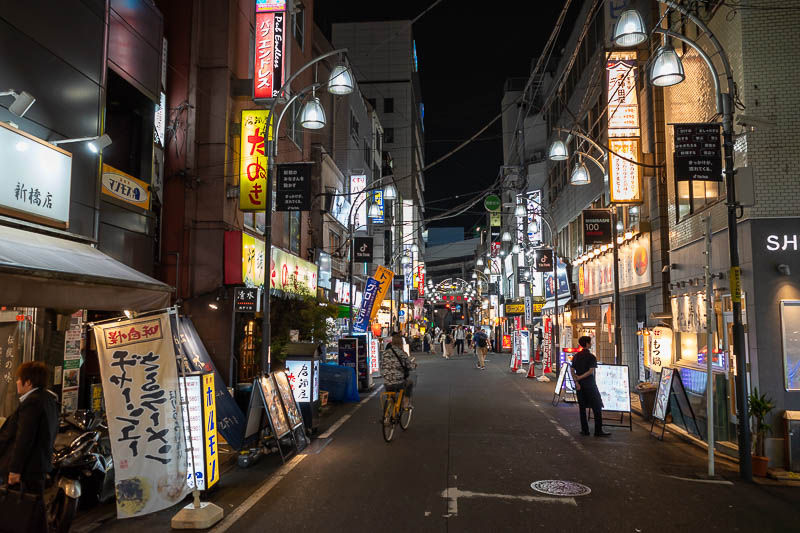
515, 364
531, 370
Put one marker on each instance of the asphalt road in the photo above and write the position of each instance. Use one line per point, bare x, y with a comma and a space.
477, 441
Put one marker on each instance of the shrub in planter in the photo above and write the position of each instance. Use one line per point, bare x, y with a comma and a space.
759, 406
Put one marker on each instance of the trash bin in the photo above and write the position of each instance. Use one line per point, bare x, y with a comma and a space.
792, 431
647, 398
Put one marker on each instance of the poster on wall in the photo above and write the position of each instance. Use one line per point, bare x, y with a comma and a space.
285, 389
74, 348
139, 370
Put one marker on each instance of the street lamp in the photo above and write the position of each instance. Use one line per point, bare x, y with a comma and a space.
337, 82
623, 36
506, 237
520, 211
558, 151
629, 29
479, 262
667, 67
580, 175
390, 192
313, 116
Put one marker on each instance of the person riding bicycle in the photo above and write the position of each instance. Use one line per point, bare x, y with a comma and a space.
396, 368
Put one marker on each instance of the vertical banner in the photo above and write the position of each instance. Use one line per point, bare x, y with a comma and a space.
74, 346
210, 430
374, 291
256, 129
270, 45
140, 385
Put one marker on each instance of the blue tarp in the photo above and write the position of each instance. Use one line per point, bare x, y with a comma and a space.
339, 381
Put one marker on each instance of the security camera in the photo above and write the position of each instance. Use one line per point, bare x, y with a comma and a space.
752, 122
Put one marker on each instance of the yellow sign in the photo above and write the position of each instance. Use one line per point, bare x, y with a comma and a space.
515, 309
736, 284
495, 219
210, 430
125, 187
625, 177
384, 278
253, 194
253, 261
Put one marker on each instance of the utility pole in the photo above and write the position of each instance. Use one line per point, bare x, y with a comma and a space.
709, 350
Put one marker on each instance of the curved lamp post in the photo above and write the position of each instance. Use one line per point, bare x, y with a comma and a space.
668, 70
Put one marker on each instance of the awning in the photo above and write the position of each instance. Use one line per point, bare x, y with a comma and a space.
42, 271
552, 303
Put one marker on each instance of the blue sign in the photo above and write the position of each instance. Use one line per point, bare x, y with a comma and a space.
347, 352
230, 419
563, 282
377, 199
361, 320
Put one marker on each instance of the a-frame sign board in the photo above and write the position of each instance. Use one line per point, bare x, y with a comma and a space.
612, 382
266, 403
671, 385
565, 387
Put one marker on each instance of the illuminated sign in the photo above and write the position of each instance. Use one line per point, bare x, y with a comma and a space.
596, 276
377, 199
125, 187
660, 348
200, 421
210, 430
253, 261
270, 44
625, 177
535, 216
623, 105
266, 6
253, 160
291, 274
303, 379
358, 198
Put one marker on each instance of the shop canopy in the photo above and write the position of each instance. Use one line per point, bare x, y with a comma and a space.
562, 301
42, 271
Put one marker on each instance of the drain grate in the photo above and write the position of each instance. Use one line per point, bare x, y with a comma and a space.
557, 487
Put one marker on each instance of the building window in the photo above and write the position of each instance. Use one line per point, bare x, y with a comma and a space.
694, 196
373, 103
790, 330
388, 105
298, 22
294, 129
367, 153
354, 126
388, 135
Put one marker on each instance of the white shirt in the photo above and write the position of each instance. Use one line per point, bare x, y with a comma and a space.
22, 398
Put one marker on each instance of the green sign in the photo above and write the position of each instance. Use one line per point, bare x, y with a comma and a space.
492, 203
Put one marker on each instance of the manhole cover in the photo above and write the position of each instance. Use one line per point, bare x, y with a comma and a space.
557, 487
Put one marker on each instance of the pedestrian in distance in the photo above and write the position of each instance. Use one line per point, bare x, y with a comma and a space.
426, 343
584, 364
481, 346
468, 340
448, 345
459, 335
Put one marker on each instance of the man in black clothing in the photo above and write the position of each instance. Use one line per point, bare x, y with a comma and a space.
27, 437
583, 366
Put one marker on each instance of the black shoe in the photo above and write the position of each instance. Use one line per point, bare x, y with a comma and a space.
585, 433
602, 434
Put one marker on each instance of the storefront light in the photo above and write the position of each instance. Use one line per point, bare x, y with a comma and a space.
603, 248
620, 239
628, 235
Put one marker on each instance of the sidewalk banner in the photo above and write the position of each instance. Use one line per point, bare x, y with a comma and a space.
138, 365
231, 420
374, 291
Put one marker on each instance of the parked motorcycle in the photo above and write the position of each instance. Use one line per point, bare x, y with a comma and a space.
83, 471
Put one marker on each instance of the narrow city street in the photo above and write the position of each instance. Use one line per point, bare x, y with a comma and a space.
477, 441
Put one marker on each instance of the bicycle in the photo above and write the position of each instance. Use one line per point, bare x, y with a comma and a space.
393, 413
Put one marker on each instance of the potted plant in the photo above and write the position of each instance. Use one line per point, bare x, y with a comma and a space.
759, 406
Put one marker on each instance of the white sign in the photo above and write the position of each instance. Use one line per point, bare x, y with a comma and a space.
535, 216
374, 355
357, 184
660, 348
192, 396
35, 176
525, 345
612, 382
782, 242
304, 382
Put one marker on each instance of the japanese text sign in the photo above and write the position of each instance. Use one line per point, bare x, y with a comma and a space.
660, 348
270, 46
140, 385
304, 384
290, 273
625, 176
125, 187
210, 430
698, 152
253, 261
35, 178
293, 187
253, 158
623, 106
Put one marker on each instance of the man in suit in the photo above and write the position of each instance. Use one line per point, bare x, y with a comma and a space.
27, 437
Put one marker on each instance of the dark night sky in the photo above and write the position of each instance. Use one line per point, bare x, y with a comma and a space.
464, 57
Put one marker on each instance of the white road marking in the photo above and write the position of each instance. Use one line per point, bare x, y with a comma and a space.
712, 481
281, 473
453, 494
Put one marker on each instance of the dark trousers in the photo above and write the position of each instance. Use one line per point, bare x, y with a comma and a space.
459, 346
589, 398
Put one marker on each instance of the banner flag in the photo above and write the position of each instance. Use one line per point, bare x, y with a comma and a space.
138, 366
374, 292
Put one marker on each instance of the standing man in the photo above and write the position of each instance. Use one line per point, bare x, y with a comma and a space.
460, 340
582, 370
482, 346
27, 437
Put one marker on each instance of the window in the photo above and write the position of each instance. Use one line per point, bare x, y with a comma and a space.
298, 22
388, 105
790, 333
294, 130
354, 126
693, 196
388, 135
367, 153
373, 103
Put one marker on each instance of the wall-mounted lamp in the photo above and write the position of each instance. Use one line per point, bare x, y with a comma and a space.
96, 144
22, 102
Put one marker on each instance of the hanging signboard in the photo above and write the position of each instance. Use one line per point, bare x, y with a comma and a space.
596, 275
246, 300
362, 249
495, 219
660, 353
358, 182
125, 187
543, 260
596, 227
293, 187
35, 178
377, 199
140, 385
256, 127
623, 105
270, 45
612, 382
698, 152
563, 283
625, 176
534, 207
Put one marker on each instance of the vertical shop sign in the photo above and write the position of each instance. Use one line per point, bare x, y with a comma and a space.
140, 385
358, 198
374, 292
377, 199
256, 130
623, 105
660, 348
74, 346
596, 227
192, 400
210, 430
270, 45
625, 177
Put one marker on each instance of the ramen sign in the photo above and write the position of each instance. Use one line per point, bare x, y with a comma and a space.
596, 276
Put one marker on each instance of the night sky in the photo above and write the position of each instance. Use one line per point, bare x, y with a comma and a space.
464, 56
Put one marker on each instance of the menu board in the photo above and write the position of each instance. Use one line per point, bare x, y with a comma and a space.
282, 382
192, 407
562, 374
612, 382
274, 407
662, 396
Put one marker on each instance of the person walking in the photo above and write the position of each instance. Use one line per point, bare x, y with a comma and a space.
468, 340
426, 342
459, 334
481, 347
582, 370
27, 437
448, 345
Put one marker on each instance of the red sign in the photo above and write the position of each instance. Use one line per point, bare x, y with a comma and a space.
495, 249
421, 278
269, 54
506, 342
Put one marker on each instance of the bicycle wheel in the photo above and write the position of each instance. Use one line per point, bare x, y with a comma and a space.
387, 422
405, 417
